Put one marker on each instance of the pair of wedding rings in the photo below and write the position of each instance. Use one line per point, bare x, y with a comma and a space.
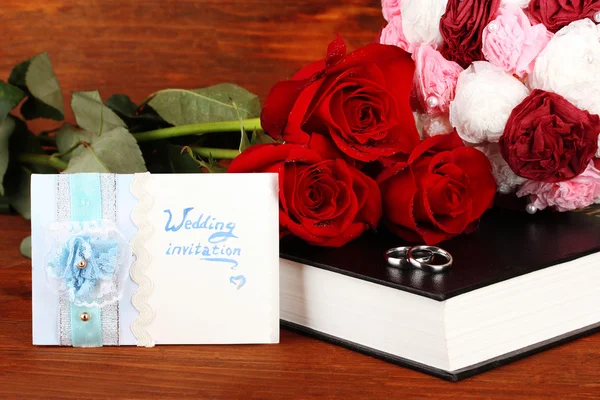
431, 259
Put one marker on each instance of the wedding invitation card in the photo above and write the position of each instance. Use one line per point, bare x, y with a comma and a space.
155, 259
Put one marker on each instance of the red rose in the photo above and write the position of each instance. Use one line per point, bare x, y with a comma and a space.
324, 202
462, 29
555, 14
360, 101
548, 139
439, 193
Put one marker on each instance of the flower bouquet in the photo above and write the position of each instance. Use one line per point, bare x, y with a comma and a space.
456, 102
515, 80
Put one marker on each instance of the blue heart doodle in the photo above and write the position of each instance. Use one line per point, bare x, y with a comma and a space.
239, 281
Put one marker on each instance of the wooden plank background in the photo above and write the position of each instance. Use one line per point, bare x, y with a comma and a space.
138, 47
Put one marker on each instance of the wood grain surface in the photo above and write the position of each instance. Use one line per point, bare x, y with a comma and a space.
137, 47
297, 368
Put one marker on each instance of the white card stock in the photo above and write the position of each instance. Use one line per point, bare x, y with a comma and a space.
155, 259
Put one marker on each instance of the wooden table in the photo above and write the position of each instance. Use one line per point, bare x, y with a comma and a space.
138, 47
297, 368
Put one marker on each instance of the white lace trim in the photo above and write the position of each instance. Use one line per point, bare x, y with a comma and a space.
139, 327
110, 305
106, 292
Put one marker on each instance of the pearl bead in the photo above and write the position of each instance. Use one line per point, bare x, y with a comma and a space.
432, 102
590, 58
531, 209
597, 17
82, 263
85, 316
493, 26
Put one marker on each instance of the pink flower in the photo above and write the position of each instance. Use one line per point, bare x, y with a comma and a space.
511, 43
393, 35
412, 23
390, 8
435, 80
578, 192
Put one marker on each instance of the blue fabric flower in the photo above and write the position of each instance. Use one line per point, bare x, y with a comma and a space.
99, 257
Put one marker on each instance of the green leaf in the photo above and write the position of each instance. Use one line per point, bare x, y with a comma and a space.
244, 141
25, 247
92, 115
137, 121
68, 136
17, 75
182, 161
20, 195
23, 141
115, 151
122, 105
260, 137
36, 77
10, 97
17, 180
5, 205
6, 129
213, 166
211, 104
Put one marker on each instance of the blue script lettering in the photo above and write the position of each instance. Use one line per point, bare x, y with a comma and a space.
234, 264
173, 227
222, 233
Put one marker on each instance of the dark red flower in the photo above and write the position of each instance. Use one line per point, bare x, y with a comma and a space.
555, 14
440, 192
322, 201
359, 102
462, 29
548, 139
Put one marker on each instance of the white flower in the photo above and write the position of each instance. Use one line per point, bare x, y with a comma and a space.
570, 65
438, 125
429, 126
419, 117
506, 179
421, 21
485, 97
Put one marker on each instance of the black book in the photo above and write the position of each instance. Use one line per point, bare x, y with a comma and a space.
520, 284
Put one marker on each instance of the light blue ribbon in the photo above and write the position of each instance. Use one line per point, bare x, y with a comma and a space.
86, 205
88, 333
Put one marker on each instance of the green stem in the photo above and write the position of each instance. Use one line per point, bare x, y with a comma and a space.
197, 129
43, 159
218, 154
66, 153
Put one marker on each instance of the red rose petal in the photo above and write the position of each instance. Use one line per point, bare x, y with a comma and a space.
398, 193
279, 103
436, 144
369, 198
335, 52
325, 147
299, 114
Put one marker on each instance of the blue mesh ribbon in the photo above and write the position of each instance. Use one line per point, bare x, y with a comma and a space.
86, 205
